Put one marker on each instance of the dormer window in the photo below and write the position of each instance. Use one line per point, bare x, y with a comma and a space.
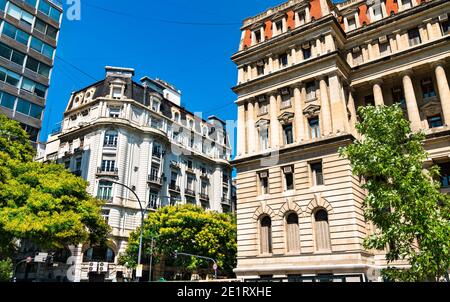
117, 92
279, 26
257, 34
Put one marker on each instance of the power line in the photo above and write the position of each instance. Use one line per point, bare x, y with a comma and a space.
162, 20
76, 68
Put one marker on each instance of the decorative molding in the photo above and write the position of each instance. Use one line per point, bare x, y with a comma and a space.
288, 207
311, 111
318, 202
263, 209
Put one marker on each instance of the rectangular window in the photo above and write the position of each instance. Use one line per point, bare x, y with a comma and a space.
314, 127
3, 5
262, 108
38, 67
264, 138
306, 53
377, 12
301, 17
397, 96
45, 8
285, 98
9, 77
257, 36
445, 27
153, 199
11, 54
15, 33
114, 112
105, 190
260, 69
310, 91
33, 87
32, 132
357, 57
445, 174
414, 37
111, 139
19, 14
42, 48
279, 26
435, 121
78, 164
264, 183
427, 88
317, 174
406, 4
108, 165
283, 60
351, 23
288, 134
29, 109
155, 105
7, 100
173, 180
105, 215
45, 29
369, 100
288, 178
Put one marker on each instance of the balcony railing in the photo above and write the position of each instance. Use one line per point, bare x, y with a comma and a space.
204, 196
154, 179
77, 173
109, 145
106, 199
110, 172
174, 187
189, 192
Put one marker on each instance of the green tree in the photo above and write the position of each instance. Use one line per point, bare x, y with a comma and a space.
6, 267
404, 201
189, 229
42, 203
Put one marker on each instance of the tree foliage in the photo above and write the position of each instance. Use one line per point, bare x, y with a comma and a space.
188, 229
404, 201
6, 268
42, 203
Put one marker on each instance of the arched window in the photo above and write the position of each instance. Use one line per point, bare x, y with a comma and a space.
266, 235
292, 233
322, 230
99, 254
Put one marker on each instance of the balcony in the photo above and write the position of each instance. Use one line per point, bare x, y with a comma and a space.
153, 179
174, 187
204, 196
106, 199
108, 172
110, 145
189, 192
77, 173
226, 201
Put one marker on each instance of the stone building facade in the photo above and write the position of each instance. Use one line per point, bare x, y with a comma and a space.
29, 31
139, 135
304, 67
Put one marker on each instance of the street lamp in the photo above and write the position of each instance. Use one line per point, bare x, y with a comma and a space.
202, 257
142, 215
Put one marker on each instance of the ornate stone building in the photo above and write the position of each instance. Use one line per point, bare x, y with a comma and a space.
139, 135
304, 67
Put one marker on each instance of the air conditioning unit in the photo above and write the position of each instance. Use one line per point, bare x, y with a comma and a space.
260, 63
285, 91
103, 267
306, 45
443, 17
383, 39
93, 267
261, 98
356, 49
287, 170
263, 174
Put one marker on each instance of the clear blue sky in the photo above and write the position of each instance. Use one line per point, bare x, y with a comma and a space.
193, 57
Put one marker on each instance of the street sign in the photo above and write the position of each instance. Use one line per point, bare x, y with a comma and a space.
139, 270
41, 257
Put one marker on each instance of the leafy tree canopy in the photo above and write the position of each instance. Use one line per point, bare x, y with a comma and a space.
188, 229
42, 203
404, 201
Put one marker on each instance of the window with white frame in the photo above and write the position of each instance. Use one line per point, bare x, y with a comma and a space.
377, 12
263, 183
351, 22
21, 15
264, 138
117, 92
310, 91
406, 4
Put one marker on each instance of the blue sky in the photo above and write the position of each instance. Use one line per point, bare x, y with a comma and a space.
193, 57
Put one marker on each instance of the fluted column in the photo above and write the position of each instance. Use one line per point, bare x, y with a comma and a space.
251, 127
411, 102
274, 133
325, 107
298, 114
378, 93
443, 89
241, 130
352, 108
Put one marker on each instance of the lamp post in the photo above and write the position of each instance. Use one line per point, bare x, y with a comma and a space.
142, 216
202, 257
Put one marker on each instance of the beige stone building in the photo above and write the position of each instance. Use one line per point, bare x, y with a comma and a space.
304, 67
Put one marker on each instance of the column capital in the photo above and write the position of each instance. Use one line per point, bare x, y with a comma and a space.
438, 63
378, 81
298, 85
273, 93
407, 72
397, 31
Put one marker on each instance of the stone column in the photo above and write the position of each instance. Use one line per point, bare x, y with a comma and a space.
293, 55
270, 63
251, 127
352, 108
378, 92
262, 33
325, 107
274, 127
298, 114
329, 43
444, 94
411, 102
241, 130
398, 39
337, 105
